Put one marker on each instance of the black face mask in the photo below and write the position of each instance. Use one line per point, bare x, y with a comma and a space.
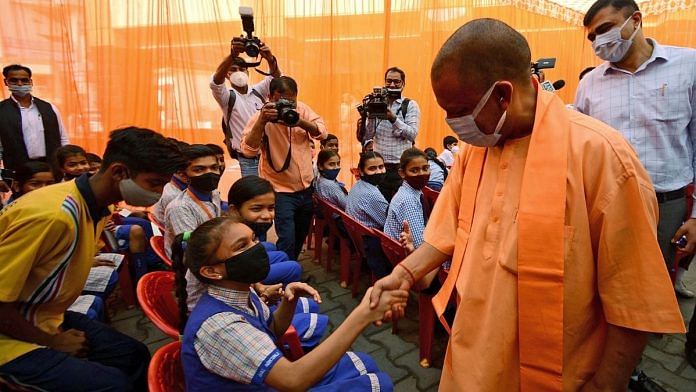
374, 179
207, 182
259, 228
418, 182
250, 266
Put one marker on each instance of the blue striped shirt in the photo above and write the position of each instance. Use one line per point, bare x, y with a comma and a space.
367, 205
406, 206
331, 191
654, 108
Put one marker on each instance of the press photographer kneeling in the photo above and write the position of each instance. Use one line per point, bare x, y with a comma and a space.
281, 131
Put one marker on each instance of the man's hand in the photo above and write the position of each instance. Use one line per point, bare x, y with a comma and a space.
295, 290
237, 46
72, 342
397, 280
391, 116
270, 294
268, 113
387, 300
688, 229
406, 238
266, 53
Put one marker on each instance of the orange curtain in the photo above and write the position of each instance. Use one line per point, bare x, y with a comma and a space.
110, 63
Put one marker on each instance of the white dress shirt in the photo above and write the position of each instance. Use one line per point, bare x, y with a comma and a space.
391, 140
33, 130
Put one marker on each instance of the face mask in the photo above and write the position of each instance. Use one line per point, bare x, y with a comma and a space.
374, 179
465, 127
20, 91
394, 92
207, 182
259, 228
417, 182
454, 149
134, 195
610, 46
329, 174
239, 79
250, 266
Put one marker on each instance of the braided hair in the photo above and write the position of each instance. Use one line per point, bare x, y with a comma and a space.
193, 251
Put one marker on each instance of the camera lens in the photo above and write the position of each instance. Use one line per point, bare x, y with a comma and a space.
251, 49
289, 116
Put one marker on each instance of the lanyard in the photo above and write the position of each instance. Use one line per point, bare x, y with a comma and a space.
200, 203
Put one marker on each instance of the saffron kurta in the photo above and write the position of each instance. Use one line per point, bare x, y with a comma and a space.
613, 269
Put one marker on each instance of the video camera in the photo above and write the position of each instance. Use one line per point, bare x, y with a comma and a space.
375, 104
543, 63
286, 112
252, 44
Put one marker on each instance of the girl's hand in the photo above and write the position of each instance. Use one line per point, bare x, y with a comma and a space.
387, 301
295, 290
406, 238
270, 294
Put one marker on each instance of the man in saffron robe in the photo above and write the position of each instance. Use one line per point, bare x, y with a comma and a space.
549, 219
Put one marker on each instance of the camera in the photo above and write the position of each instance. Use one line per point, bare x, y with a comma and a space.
286, 112
543, 63
252, 44
375, 104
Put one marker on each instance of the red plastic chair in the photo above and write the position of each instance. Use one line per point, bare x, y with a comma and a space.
157, 244
426, 313
290, 344
681, 255
154, 220
165, 373
356, 232
317, 230
431, 195
328, 210
156, 296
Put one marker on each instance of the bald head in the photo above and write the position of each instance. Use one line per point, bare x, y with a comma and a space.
482, 52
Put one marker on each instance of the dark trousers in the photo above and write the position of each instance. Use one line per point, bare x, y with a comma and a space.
293, 216
376, 259
391, 182
671, 218
115, 362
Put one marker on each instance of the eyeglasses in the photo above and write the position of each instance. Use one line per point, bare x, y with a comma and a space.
15, 80
395, 82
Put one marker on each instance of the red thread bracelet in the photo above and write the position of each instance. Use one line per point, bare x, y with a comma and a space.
413, 277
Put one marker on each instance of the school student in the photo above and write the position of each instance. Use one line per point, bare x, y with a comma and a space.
70, 162
438, 170
252, 198
409, 203
367, 205
219, 154
94, 162
325, 184
31, 176
451, 148
47, 243
230, 337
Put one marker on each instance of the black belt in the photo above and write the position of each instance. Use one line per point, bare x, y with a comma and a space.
663, 197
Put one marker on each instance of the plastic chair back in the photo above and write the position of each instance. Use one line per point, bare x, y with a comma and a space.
155, 293
157, 245
290, 344
392, 248
431, 195
165, 373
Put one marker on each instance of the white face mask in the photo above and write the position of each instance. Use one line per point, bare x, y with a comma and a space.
454, 149
134, 195
20, 91
610, 46
239, 79
465, 127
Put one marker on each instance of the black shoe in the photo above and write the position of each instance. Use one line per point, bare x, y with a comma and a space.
644, 384
691, 356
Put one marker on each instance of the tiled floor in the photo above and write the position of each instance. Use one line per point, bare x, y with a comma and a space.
398, 355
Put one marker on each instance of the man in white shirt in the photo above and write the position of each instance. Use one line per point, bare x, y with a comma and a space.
244, 103
30, 128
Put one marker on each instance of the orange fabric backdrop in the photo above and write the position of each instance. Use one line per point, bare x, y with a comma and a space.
107, 64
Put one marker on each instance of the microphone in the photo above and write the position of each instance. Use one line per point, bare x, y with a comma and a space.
559, 84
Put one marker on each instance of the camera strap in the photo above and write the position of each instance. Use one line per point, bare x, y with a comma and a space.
267, 147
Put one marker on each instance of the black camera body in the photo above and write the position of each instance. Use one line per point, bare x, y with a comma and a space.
286, 112
375, 104
543, 63
252, 44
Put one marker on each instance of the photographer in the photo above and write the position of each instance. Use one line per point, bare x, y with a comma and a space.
242, 101
397, 133
282, 132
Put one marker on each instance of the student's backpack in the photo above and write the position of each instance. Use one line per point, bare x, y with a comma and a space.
226, 125
360, 126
